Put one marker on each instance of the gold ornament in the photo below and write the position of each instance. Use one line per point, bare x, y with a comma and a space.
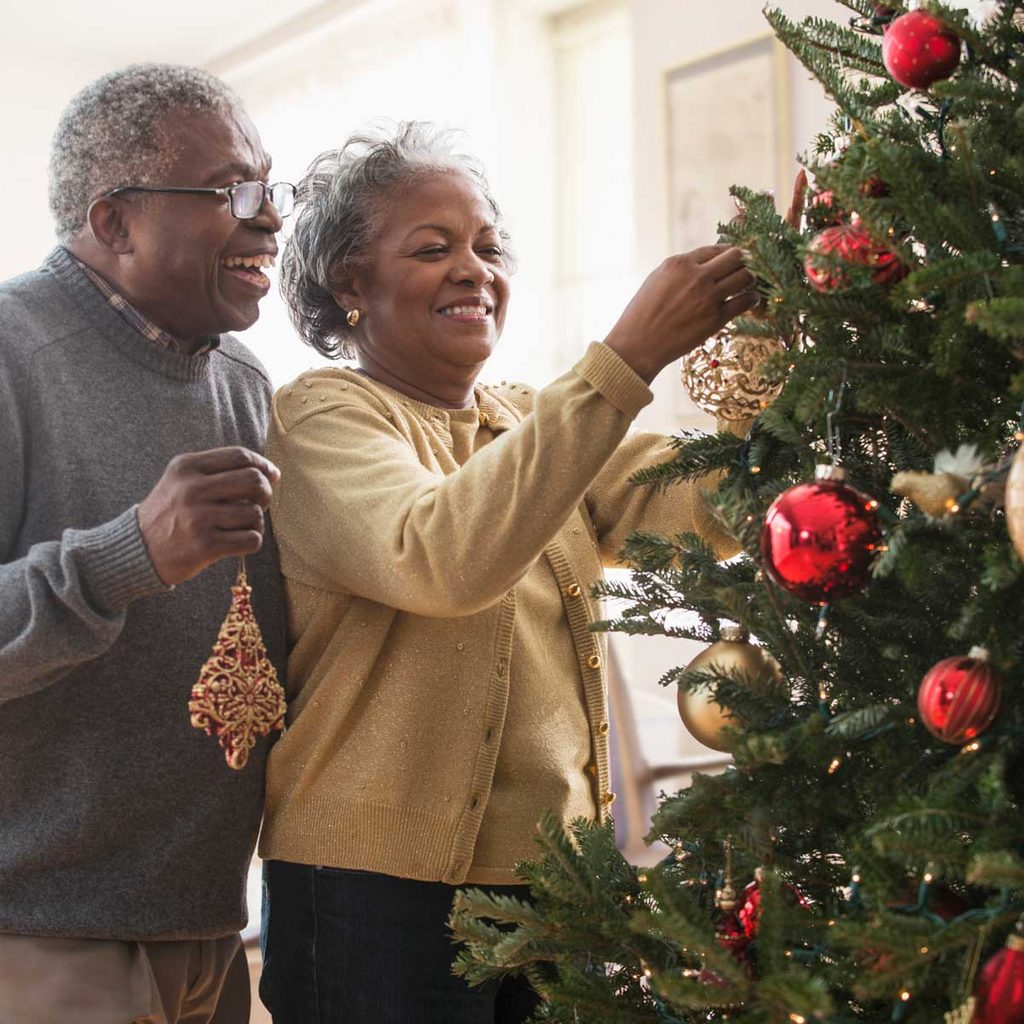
1014, 499
723, 376
732, 654
237, 696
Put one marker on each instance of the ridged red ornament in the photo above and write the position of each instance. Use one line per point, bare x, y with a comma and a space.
919, 49
959, 697
1000, 990
850, 243
818, 538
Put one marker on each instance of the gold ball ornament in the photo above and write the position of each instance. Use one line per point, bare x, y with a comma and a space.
723, 376
731, 654
1014, 501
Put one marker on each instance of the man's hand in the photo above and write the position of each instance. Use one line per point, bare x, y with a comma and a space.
206, 506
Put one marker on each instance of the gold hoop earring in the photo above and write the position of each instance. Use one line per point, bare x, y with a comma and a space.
352, 317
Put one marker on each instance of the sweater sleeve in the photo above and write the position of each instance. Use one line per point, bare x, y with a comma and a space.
619, 508
62, 602
356, 510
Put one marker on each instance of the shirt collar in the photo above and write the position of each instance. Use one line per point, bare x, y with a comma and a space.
155, 335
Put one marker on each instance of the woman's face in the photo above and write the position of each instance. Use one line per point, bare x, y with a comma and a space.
435, 289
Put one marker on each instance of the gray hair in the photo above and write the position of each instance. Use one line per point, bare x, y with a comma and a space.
340, 207
110, 134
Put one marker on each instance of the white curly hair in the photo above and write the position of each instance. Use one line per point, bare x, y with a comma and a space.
110, 135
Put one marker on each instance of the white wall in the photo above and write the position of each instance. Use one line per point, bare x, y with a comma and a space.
482, 67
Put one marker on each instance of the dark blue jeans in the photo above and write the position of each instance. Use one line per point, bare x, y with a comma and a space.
354, 947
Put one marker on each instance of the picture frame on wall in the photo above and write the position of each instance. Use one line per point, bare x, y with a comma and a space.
728, 124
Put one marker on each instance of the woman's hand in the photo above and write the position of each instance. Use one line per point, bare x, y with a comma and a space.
682, 303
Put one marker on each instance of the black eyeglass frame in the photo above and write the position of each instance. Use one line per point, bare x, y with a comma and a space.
229, 191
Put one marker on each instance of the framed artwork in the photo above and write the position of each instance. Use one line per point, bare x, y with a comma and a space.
728, 124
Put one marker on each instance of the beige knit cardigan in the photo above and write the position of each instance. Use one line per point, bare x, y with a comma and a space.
400, 569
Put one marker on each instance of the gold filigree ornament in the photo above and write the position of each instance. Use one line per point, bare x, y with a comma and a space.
723, 376
237, 696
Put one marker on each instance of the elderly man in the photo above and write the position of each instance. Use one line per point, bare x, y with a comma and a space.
130, 426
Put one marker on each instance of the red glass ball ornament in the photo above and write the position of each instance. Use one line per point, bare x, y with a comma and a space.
1000, 990
959, 697
919, 49
818, 538
851, 244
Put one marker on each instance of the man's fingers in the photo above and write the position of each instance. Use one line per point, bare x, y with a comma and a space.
224, 460
248, 485
238, 517
232, 543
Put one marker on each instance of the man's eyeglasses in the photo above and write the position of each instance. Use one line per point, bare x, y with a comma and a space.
246, 198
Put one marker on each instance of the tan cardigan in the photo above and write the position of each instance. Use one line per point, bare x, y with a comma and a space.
401, 569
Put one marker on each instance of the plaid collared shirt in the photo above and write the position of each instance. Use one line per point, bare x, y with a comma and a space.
149, 330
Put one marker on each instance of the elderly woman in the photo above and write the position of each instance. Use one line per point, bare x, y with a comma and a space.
438, 540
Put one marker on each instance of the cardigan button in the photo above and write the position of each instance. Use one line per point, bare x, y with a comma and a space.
594, 661
607, 798
573, 590
603, 728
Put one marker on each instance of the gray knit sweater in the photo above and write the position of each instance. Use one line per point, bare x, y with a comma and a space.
117, 818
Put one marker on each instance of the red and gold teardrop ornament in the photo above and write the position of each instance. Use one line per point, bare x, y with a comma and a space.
237, 697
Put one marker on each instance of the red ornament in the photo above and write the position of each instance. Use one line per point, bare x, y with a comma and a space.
731, 935
849, 243
919, 49
818, 539
1000, 992
749, 914
959, 697
750, 909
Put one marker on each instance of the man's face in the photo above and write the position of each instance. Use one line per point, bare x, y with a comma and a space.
183, 269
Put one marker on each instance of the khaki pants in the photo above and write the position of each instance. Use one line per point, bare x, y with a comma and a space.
88, 981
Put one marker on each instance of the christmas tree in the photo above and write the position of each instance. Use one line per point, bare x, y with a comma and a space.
862, 860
